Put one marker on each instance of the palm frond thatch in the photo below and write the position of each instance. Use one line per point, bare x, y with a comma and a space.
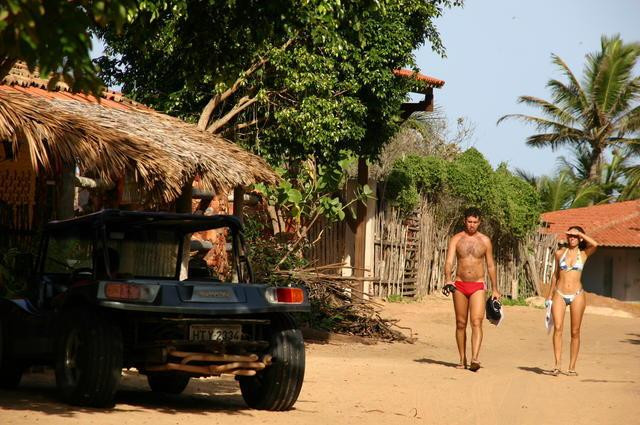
163, 152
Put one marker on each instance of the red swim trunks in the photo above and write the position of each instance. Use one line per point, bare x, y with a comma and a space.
468, 288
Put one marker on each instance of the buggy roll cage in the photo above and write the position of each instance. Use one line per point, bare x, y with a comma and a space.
97, 223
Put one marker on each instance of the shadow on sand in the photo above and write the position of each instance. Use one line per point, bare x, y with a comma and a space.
438, 362
537, 370
635, 340
38, 393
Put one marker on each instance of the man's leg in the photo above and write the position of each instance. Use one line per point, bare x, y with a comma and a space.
476, 308
461, 307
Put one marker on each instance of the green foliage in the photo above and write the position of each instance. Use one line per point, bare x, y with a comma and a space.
509, 203
265, 251
470, 178
569, 186
316, 191
322, 81
517, 208
414, 176
54, 35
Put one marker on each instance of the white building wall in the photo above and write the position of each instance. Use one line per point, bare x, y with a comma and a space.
614, 272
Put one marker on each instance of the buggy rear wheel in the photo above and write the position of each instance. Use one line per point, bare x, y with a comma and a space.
278, 386
88, 359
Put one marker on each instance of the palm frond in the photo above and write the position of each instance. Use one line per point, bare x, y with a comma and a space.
578, 167
629, 122
556, 192
563, 133
575, 89
614, 72
587, 195
527, 176
562, 115
632, 187
630, 91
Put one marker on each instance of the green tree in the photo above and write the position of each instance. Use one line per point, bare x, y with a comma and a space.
286, 78
510, 204
55, 36
596, 115
566, 188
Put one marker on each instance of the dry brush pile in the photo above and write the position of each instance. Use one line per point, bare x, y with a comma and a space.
338, 299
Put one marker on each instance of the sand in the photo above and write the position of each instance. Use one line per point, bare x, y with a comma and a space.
353, 383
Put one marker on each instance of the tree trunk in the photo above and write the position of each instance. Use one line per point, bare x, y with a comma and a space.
358, 260
594, 164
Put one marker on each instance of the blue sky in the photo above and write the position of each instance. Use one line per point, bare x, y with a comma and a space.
499, 50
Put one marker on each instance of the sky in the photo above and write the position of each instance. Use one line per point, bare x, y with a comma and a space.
498, 50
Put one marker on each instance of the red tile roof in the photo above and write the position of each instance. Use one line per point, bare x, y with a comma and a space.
22, 80
430, 81
614, 225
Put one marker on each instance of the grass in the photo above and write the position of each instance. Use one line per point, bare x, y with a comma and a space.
514, 301
395, 298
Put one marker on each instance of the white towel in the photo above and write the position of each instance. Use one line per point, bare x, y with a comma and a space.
548, 318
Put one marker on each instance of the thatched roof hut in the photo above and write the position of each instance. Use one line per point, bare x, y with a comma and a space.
109, 137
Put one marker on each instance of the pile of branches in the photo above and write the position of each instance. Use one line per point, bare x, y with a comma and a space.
338, 299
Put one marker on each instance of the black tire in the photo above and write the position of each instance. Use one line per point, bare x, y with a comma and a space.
167, 382
278, 386
88, 359
10, 369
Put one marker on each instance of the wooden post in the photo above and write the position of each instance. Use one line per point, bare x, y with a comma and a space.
66, 191
183, 202
184, 205
238, 202
361, 231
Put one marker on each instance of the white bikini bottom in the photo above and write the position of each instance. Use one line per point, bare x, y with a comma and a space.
568, 298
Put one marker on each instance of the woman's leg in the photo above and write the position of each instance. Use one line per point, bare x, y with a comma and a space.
577, 311
461, 308
557, 311
476, 312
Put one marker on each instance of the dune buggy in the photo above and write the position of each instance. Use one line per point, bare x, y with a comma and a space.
114, 290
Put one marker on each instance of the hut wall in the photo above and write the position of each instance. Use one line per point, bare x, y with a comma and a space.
17, 195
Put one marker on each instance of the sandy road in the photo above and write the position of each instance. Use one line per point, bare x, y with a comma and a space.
398, 383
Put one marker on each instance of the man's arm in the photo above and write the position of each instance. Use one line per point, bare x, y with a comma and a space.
491, 268
451, 255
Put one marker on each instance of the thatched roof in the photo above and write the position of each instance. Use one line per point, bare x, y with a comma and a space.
164, 152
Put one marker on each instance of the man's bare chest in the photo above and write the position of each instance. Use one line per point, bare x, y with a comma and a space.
470, 247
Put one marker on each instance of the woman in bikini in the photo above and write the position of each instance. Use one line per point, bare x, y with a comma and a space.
566, 290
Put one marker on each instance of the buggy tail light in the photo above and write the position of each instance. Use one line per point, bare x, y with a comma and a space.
285, 295
119, 291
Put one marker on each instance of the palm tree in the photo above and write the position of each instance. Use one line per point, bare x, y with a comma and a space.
600, 113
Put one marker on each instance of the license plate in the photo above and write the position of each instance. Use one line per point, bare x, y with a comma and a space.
215, 332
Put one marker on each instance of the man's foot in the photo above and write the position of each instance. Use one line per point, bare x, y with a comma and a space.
475, 365
572, 373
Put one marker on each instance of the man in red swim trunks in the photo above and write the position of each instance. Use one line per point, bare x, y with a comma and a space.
472, 250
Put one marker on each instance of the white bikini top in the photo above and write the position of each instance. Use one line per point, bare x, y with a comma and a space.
578, 265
